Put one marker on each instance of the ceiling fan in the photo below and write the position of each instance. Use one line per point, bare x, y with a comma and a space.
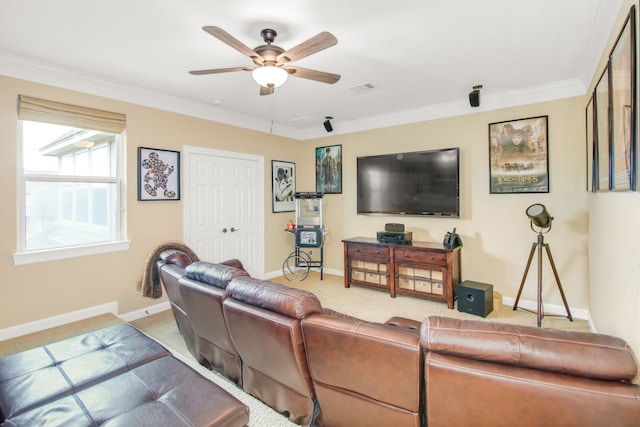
270, 71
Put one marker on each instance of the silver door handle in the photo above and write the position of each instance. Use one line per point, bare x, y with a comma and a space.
234, 229
224, 230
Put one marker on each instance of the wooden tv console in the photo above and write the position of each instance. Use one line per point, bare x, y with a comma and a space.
419, 269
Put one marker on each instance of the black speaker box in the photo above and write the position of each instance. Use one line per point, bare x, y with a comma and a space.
475, 298
327, 126
474, 98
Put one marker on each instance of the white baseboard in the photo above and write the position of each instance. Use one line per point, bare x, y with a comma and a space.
50, 322
148, 311
557, 310
278, 273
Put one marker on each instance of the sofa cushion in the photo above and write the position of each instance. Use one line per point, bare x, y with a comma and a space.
43, 374
291, 302
162, 392
574, 353
218, 275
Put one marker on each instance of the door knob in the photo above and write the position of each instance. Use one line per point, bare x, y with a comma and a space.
234, 229
224, 230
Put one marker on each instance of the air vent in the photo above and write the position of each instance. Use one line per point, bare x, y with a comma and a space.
303, 121
363, 88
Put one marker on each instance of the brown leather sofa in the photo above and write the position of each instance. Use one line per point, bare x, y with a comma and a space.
264, 323
203, 291
505, 375
171, 266
365, 374
439, 372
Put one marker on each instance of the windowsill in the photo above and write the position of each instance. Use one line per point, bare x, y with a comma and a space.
32, 257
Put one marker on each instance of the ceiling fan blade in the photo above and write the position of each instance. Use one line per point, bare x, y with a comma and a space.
264, 90
227, 38
309, 47
319, 76
220, 70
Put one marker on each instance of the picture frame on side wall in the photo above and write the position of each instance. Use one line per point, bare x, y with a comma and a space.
590, 160
622, 98
519, 156
602, 133
158, 174
283, 176
329, 169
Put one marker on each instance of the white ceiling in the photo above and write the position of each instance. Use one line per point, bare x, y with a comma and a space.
422, 56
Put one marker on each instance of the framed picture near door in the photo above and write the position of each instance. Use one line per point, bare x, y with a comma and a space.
283, 176
329, 169
158, 174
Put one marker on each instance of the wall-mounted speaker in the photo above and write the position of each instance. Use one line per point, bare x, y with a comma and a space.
327, 124
474, 98
475, 298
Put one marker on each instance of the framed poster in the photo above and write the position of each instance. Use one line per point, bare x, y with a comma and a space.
590, 160
622, 73
158, 174
519, 156
283, 175
602, 133
329, 169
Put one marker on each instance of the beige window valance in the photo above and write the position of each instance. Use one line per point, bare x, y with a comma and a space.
41, 110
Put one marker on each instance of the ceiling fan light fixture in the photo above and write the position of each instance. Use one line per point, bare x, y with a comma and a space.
270, 76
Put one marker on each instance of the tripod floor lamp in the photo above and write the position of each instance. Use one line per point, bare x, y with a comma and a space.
539, 217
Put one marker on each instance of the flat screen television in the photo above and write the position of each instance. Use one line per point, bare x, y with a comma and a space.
415, 183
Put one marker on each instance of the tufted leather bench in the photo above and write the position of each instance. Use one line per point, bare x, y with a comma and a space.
115, 376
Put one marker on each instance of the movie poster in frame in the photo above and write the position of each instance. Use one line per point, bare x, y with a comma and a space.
622, 75
283, 176
329, 169
158, 174
519, 156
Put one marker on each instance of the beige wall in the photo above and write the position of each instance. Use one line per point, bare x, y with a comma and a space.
614, 250
594, 238
494, 228
36, 291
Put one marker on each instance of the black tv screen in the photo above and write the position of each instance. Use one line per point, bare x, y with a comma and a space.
416, 183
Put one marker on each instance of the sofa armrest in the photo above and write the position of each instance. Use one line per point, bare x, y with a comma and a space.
580, 354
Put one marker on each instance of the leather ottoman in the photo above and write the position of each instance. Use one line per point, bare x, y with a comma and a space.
115, 376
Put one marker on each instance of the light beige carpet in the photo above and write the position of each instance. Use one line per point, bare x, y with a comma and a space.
378, 306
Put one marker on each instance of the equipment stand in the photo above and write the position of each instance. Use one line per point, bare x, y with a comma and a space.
539, 245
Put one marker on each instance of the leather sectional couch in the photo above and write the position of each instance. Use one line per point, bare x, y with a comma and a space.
320, 367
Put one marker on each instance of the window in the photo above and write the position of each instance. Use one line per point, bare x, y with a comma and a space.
70, 181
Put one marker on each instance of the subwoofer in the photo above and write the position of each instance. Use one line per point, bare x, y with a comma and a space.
475, 298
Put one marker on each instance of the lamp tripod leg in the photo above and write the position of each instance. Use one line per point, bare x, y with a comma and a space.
555, 273
540, 309
524, 276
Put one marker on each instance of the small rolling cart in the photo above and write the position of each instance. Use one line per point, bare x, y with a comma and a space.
309, 233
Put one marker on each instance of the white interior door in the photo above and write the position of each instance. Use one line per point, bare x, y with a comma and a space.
224, 206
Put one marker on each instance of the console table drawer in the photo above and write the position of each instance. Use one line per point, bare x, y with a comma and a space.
372, 253
423, 257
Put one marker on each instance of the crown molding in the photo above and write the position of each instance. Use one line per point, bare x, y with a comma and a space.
31, 70
490, 102
52, 75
